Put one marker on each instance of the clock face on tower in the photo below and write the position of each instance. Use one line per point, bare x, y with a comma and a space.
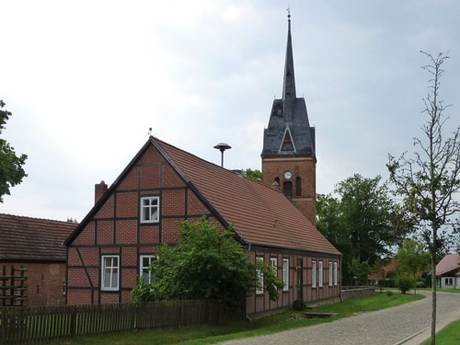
287, 175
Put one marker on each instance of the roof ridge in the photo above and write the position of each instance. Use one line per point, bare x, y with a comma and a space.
194, 155
216, 165
38, 218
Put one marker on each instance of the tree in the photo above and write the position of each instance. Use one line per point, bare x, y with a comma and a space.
206, 263
430, 178
413, 260
11, 165
255, 175
361, 222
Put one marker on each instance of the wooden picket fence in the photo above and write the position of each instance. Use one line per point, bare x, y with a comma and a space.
12, 286
31, 325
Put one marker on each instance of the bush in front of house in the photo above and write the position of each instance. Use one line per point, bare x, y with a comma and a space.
405, 284
206, 263
298, 305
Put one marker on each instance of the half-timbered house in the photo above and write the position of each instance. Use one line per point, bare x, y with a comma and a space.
115, 243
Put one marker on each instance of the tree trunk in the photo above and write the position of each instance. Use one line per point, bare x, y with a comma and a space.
433, 304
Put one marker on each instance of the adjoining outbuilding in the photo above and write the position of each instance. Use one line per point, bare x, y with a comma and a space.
38, 246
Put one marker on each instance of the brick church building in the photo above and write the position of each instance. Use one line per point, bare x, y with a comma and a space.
115, 243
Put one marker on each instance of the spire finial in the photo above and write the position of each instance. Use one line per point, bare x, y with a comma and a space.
288, 79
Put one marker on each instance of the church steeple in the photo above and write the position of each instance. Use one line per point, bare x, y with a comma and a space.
288, 154
288, 78
289, 115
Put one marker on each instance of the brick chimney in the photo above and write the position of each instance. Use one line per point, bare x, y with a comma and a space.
99, 190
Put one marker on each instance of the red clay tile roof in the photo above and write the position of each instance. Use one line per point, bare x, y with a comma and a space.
382, 272
448, 263
25, 238
259, 214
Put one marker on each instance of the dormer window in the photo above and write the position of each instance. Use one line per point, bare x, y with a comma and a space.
150, 209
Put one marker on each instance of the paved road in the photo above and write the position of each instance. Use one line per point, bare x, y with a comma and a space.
383, 327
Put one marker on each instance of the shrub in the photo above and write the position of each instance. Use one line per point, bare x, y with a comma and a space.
206, 263
298, 305
143, 292
389, 293
405, 284
420, 284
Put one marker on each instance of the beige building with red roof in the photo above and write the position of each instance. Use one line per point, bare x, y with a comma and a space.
116, 242
448, 271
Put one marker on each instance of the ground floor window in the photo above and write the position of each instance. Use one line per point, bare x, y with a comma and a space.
145, 271
320, 274
313, 274
259, 276
110, 272
285, 274
335, 273
330, 273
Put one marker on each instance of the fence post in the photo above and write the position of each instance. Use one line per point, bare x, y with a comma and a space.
73, 320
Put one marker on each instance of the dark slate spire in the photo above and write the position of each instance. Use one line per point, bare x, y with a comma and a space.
288, 78
289, 132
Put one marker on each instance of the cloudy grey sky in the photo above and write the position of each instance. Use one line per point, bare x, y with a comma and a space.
86, 79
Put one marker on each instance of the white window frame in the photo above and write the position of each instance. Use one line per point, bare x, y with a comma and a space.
142, 267
112, 268
142, 209
259, 276
274, 264
330, 273
285, 274
313, 274
335, 273
320, 273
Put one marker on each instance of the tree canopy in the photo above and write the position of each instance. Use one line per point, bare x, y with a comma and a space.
428, 180
413, 260
362, 221
252, 174
11, 165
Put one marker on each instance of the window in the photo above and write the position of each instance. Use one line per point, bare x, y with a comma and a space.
298, 186
274, 264
145, 272
330, 273
335, 273
287, 189
285, 274
259, 276
320, 273
150, 209
110, 272
313, 274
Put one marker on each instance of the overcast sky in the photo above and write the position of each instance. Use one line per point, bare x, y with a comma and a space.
86, 79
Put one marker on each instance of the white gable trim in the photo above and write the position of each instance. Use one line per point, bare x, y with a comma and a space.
284, 136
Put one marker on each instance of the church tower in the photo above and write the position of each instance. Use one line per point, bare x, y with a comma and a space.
288, 156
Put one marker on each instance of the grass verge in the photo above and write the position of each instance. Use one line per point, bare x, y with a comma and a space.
209, 334
449, 335
441, 290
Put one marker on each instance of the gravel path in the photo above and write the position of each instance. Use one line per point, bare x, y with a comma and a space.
383, 327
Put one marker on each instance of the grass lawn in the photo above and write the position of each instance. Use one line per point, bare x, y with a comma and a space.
441, 290
449, 335
196, 335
